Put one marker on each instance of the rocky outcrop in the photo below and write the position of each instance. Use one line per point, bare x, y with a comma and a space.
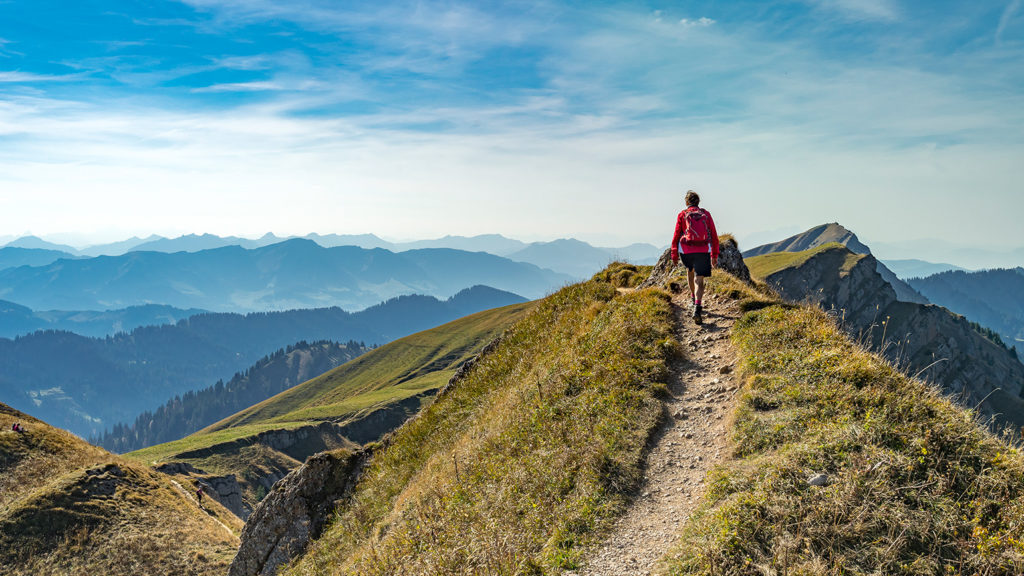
296, 511
226, 490
925, 340
729, 260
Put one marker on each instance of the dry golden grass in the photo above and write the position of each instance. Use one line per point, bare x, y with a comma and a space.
916, 485
70, 508
518, 468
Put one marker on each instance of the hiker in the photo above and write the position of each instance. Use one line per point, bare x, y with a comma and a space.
695, 242
14, 427
199, 493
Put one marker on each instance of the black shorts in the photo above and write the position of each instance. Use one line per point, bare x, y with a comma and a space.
699, 262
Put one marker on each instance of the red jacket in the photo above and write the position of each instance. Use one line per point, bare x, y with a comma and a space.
712, 246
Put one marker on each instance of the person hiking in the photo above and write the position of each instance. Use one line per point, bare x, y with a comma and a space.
199, 493
695, 242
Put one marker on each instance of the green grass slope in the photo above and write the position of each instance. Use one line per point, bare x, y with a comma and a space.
915, 484
374, 392
67, 507
521, 465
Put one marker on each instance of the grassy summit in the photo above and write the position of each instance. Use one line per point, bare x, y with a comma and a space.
70, 508
765, 265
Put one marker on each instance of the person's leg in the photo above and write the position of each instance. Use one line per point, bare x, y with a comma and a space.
691, 281
698, 295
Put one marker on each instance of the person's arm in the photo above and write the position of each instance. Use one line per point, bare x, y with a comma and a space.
680, 229
714, 241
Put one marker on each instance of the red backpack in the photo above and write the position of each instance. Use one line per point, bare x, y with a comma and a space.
697, 229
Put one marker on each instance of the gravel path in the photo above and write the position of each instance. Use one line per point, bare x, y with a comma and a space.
685, 447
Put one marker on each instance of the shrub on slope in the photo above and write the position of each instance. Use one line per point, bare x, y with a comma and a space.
519, 466
915, 484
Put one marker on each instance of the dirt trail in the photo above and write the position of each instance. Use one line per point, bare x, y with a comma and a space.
685, 447
192, 499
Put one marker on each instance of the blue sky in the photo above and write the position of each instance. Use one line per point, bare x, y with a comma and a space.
537, 120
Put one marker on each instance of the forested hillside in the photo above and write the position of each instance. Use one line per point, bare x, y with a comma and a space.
191, 411
98, 382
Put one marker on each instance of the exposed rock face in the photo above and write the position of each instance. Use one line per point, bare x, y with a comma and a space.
834, 232
729, 260
227, 491
298, 443
296, 511
918, 338
859, 293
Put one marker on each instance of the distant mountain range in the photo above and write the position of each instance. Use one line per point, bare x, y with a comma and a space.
913, 268
981, 256
834, 232
14, 256
87, 384
287, 275
17, 320
569, 256
572, 258
993, 298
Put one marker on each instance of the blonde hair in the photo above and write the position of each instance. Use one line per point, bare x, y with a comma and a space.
692, 198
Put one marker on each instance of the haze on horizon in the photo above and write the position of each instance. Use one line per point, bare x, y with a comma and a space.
533, 120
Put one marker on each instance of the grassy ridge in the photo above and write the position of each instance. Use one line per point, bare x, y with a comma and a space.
70, 508
520, 466
396, 371
767, 264
915, 485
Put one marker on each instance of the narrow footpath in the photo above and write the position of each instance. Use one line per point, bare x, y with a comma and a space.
192, 500
690, 441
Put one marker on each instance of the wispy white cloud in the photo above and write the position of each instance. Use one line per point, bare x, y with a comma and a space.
702, 22
881, 10
1007, 17
627, 105
18, 77
258, 86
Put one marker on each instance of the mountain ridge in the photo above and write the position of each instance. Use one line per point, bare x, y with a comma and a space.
835, 232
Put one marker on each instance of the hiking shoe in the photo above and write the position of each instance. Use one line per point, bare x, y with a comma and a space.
698, 314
